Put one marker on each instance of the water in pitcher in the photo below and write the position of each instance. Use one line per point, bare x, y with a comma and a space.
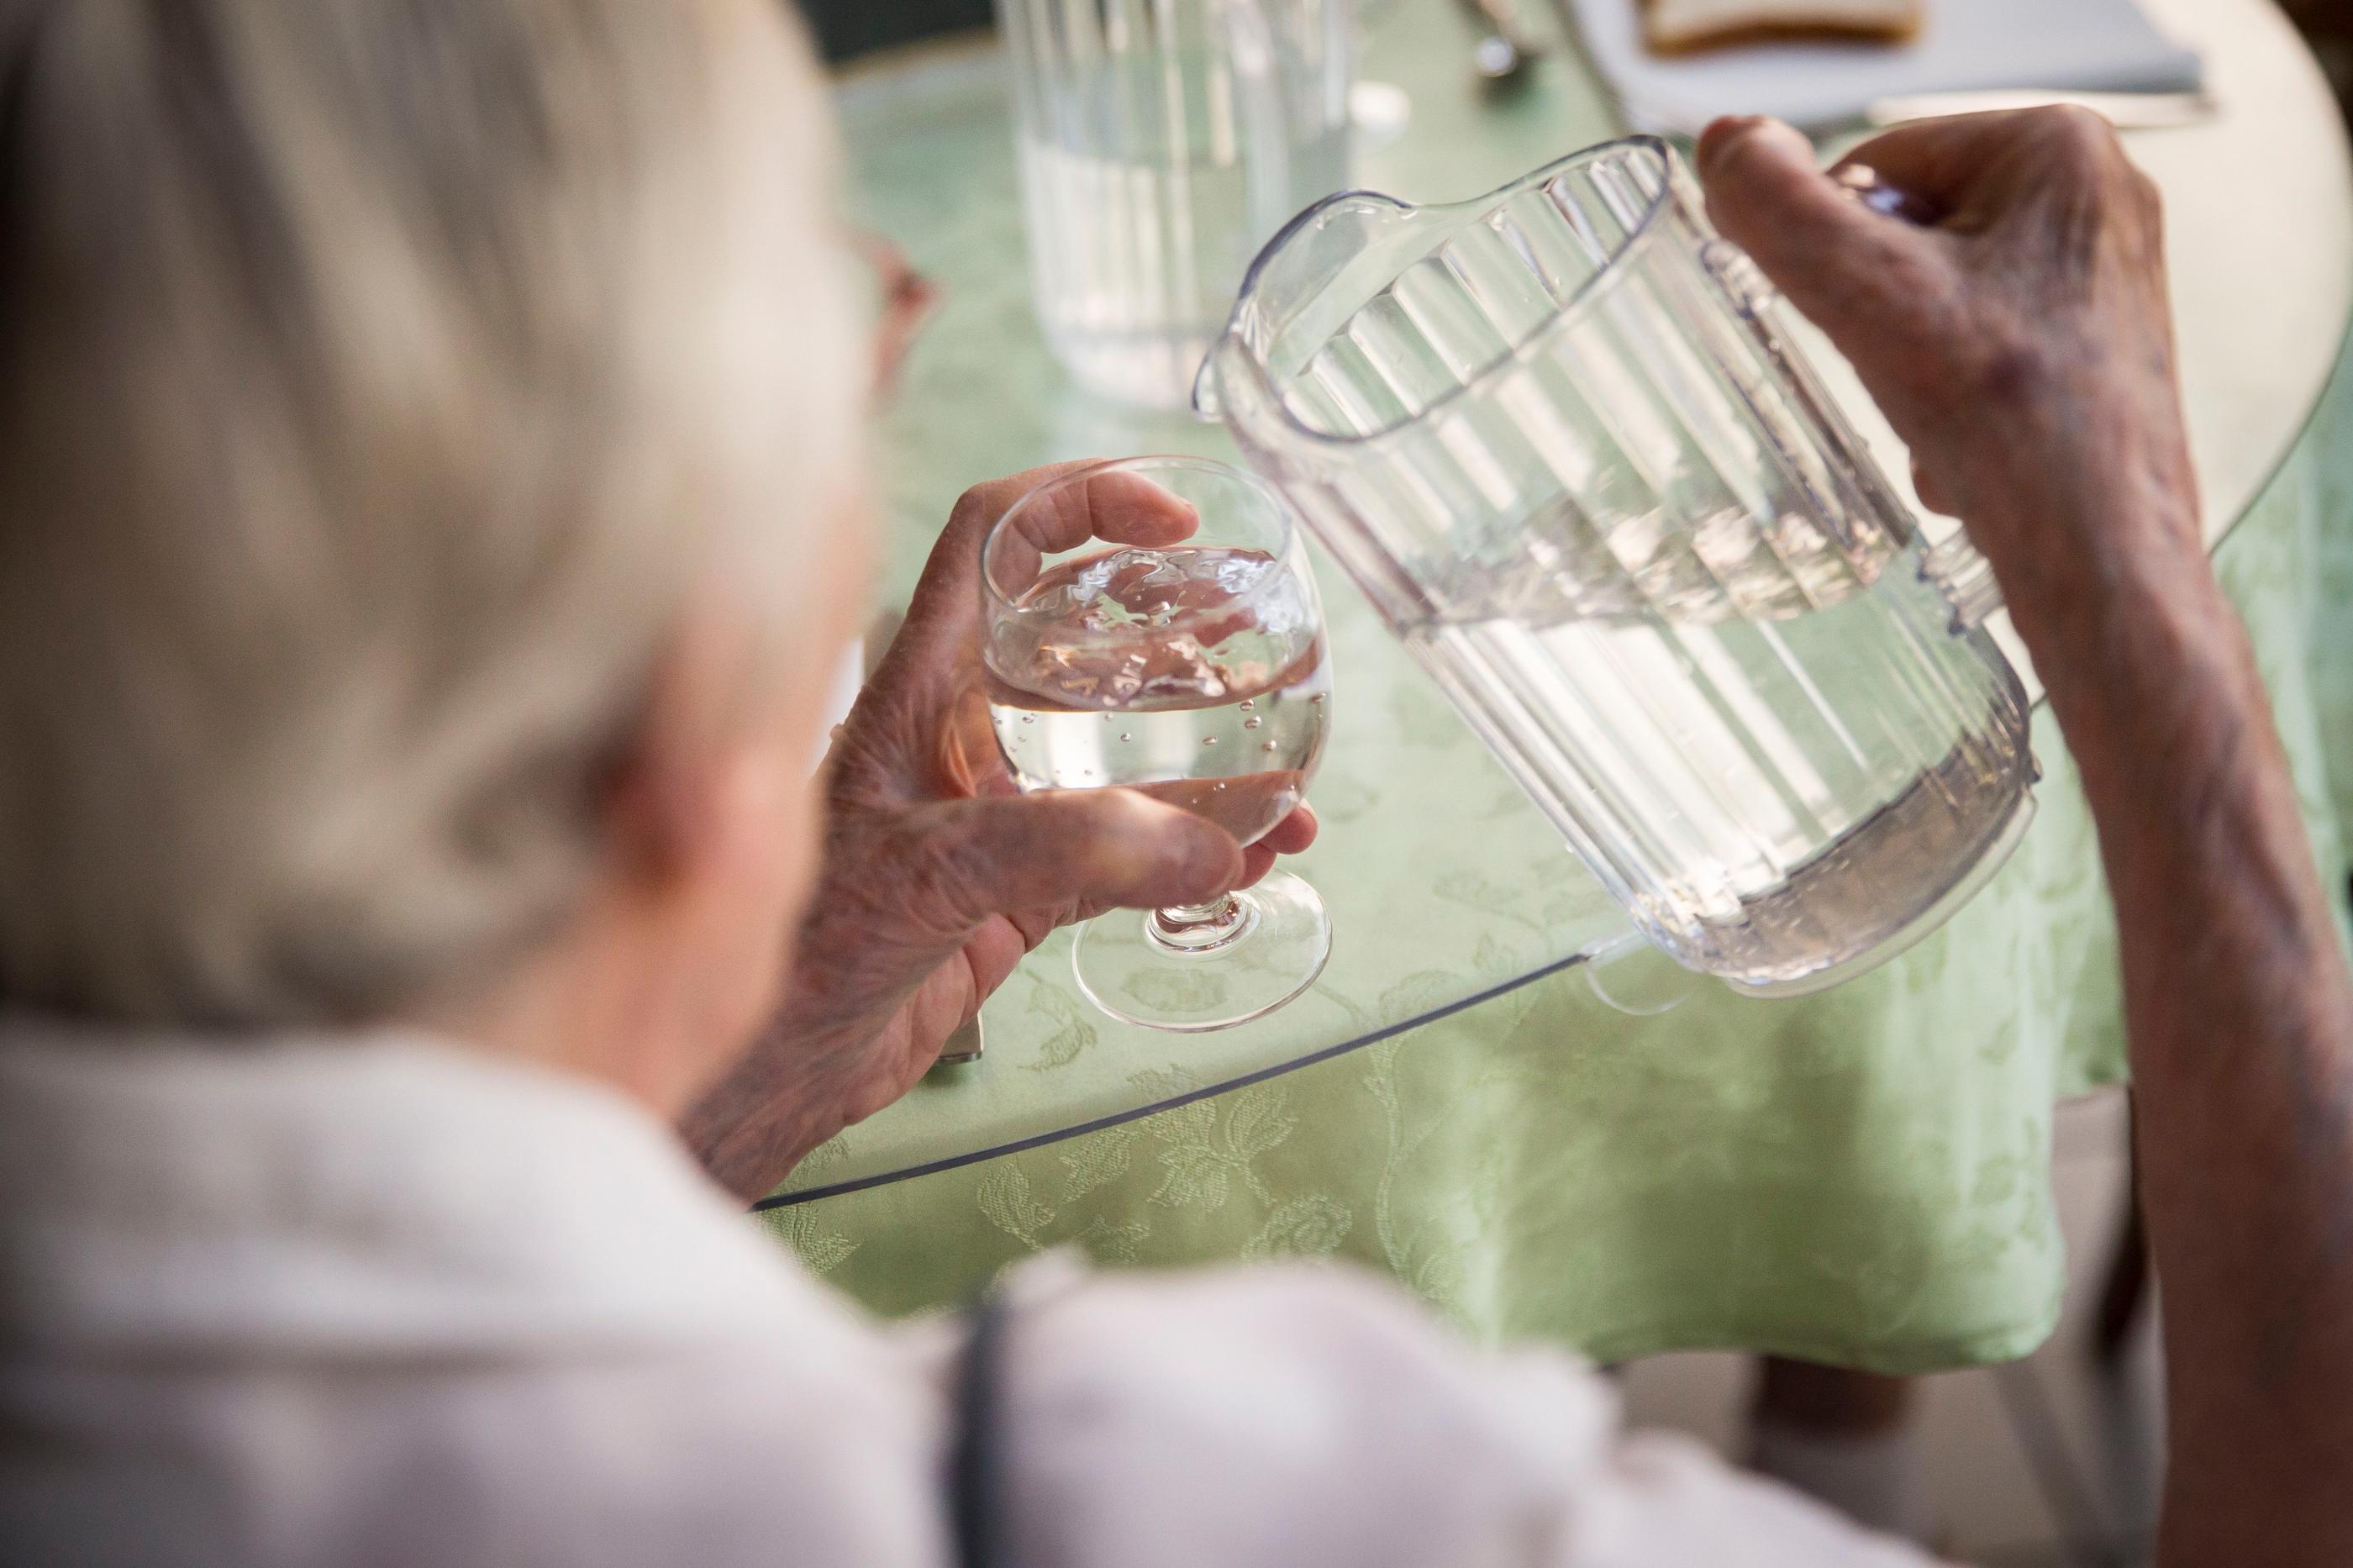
1194, 675
1565, 438
1734, 746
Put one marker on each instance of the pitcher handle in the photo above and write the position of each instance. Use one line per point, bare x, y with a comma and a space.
1956, 568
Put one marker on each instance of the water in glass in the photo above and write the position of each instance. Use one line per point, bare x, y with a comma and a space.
1152, 623
1160, 145
1194, 675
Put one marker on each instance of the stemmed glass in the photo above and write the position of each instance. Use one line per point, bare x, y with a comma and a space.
1152, 623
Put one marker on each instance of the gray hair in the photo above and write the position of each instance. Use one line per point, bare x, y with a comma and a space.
383, 382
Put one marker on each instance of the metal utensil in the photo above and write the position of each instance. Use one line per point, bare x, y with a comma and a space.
964, 1045
1503, 51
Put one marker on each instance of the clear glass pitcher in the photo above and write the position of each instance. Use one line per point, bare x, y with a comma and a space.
1161, 142
1561, 437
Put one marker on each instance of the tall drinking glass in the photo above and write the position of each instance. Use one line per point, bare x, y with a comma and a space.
1161, 142
1152, 623
1561, 436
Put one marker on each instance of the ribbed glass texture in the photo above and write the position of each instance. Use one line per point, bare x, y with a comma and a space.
1560, 438
1161, 142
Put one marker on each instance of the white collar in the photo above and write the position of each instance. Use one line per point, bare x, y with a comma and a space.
378, 1194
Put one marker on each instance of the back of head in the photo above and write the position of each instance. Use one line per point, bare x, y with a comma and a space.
380, 383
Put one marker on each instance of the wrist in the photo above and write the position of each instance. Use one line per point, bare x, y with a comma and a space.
2061, 480
2086, 534
2143, 661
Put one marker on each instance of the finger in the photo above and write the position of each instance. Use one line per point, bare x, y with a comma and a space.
1943, 161
1107, 846
949, 588
1947, 161
1289, 837
1070, 511
1293, 833
1052, 516
933, 662
992, 955
1837, 260
1973, 166
1931, 493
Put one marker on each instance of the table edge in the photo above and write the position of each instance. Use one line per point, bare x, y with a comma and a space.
1209, 1092
2286, 454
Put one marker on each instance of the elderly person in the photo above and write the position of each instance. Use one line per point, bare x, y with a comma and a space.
427, 447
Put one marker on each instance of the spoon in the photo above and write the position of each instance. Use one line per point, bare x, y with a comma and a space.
1503, 53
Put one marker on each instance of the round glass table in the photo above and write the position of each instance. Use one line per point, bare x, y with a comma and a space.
1480, 1095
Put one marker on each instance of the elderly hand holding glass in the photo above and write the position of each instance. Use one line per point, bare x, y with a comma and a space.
938, 876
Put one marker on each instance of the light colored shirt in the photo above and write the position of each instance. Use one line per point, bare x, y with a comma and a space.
382, 1302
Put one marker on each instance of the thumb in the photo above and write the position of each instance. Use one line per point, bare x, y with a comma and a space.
1101, 847
1838, 262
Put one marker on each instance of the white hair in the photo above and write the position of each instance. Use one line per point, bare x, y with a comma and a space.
383, 382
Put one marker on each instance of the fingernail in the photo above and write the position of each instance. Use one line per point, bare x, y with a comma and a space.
1722, 131
1745, 130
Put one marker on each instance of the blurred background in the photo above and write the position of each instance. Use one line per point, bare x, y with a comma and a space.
2327, 26
851, 27
847, 28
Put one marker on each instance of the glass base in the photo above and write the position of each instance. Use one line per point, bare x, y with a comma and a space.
1223, 969
1638, 978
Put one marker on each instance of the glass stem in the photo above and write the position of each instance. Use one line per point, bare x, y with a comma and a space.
1200, 928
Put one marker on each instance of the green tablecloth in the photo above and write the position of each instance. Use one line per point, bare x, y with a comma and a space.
1859, 1177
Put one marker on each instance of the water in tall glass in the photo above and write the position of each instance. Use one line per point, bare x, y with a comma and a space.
1159, 147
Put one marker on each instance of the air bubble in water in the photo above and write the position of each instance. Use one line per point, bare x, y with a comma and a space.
1252, 723
1270, 745
1209, 739
1319, 697
1249, 703
1126, 735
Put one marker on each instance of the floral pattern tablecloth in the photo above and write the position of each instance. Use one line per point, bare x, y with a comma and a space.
1858, 1177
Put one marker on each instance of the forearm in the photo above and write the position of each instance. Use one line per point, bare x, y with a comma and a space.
751, 1128
800, 1083
2240, 1021
863, 1016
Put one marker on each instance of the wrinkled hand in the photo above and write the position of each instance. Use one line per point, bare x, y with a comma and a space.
2022, 345
937, 877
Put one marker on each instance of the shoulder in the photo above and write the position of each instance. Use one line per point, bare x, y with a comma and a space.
1311, 1415
722, 1454
1296, 1414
